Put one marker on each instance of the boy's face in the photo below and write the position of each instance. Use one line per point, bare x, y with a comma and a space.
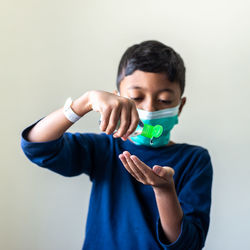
151, 91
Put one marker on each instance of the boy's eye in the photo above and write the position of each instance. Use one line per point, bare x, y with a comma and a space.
136, 98
165, 101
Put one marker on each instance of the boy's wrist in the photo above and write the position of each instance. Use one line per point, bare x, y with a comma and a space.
169, 188
81, 105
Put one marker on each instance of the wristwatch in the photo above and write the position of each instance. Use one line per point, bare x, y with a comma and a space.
69, 113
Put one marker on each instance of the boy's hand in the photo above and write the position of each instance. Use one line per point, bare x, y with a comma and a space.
160, 178
114, 108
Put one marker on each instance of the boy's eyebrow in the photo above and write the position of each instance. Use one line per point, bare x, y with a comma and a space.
162, 90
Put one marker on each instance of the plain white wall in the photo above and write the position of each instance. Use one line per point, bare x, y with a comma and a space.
50, 50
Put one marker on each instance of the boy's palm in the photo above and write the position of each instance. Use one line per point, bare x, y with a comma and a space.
158, 177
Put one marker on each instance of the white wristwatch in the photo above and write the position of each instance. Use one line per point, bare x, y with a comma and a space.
69, 113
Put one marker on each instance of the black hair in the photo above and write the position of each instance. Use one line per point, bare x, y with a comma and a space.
152, 56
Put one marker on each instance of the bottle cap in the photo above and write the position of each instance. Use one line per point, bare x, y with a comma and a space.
150, 131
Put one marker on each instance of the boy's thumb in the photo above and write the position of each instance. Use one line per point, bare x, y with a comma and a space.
165, 172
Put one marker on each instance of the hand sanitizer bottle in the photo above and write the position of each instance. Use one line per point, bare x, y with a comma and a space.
145, 130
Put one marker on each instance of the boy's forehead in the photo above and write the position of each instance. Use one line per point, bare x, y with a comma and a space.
149, 81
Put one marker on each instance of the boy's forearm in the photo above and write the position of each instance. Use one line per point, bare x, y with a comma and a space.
55, 124
170, 212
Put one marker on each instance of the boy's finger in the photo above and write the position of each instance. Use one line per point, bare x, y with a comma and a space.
125, 121
133, 167
105, 119
113, 120
164, 172
125, 164
146, 170
134, 122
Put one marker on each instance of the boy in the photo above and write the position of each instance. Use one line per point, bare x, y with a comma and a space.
145, 195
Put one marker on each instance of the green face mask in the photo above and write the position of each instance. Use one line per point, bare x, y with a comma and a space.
167, 118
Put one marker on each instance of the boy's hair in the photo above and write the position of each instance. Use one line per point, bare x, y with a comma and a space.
152, 56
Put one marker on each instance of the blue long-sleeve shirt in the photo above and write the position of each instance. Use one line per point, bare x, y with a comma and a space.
123, 212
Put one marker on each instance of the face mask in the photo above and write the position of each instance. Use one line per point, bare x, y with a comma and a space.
167, 118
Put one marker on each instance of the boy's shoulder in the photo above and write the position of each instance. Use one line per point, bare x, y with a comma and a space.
196, 157
193, 150
193, 147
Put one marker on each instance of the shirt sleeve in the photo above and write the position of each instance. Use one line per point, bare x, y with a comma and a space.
195, 200
70, 155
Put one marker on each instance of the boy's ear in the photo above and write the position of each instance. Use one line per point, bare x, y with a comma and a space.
183, 101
